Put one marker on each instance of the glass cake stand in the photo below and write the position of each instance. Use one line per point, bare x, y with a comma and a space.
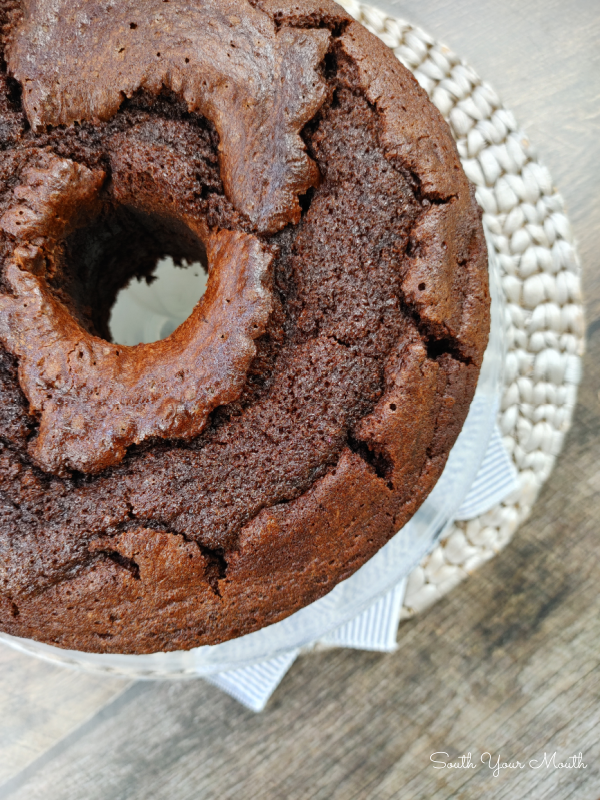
145, 313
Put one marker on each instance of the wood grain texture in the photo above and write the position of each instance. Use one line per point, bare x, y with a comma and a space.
40, 703
508, 663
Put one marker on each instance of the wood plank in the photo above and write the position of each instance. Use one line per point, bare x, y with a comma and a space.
40, 703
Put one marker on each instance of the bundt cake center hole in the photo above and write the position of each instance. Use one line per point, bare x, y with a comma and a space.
149, 311
130, 276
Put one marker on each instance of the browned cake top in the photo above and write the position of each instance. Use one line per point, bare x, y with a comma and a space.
197, 488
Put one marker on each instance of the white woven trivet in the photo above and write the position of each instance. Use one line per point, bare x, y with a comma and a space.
525, 218
527, 227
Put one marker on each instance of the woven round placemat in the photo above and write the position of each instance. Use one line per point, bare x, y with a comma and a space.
526, 223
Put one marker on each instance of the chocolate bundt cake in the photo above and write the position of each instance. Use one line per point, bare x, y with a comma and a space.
195, 489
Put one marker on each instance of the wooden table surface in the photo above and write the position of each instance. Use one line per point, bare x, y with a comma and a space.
509, 663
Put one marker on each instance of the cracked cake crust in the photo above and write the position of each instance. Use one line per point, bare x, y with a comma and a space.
362, 370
